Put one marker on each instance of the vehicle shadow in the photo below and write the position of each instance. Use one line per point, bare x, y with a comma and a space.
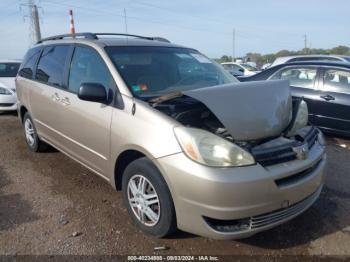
14, 210
8, 113
181, 235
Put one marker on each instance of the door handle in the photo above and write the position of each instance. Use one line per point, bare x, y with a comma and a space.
65, 101
327, 97
55, 97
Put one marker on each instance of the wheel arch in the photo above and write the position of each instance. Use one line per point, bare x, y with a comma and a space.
22, 112
122, 161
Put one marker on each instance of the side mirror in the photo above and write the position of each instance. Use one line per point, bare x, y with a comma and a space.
241, 70
92, 92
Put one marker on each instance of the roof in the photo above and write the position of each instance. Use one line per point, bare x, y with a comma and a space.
134, 42
109, 39
317, 63
284, 59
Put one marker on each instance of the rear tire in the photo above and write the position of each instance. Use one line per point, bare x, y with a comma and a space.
33, 141
148, 199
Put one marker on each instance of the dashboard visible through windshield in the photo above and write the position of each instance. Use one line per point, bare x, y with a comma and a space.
156, 71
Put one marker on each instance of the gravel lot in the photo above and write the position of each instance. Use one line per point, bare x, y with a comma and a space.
51, 205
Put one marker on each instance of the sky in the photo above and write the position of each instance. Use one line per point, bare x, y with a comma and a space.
263, 26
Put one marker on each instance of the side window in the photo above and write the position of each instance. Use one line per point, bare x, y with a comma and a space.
233, 68
336, 81
51, 65
88, 67
27, 67
300, 77
227, 67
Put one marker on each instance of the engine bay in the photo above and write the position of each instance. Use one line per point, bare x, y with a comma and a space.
273, 150
193, 113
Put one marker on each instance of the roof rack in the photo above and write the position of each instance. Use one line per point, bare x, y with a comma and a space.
95, 36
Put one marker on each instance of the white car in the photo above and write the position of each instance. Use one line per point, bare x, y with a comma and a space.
266, 66
8, 72
240, 69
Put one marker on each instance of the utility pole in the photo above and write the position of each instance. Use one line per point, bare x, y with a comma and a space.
233, 44
34, 21
305, 41
125, 22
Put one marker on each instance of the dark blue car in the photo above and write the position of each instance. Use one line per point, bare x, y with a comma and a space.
325, 86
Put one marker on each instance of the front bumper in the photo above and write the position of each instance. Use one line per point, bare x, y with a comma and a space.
263, 197
8, 102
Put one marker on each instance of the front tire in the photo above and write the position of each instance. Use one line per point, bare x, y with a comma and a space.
33, 141
148, 199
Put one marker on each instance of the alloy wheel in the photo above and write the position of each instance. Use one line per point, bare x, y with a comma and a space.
143, 200
30, 132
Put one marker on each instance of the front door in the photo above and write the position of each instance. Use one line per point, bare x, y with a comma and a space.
335, 100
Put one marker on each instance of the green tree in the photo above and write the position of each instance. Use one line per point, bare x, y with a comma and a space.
340, 50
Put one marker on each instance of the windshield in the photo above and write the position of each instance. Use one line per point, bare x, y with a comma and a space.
156, 71
9, 69
249, 67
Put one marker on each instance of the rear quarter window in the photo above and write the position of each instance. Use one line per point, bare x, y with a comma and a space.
336, 81
52, 64
298, 76
27, 67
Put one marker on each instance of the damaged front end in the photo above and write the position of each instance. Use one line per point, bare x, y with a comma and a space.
241, 124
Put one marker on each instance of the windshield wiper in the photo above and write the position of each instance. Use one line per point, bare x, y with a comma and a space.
160, 99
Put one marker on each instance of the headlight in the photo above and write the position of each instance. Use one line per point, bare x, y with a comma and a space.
211, 150
4, 91
300, 120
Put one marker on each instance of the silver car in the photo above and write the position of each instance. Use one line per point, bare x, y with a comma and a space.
305, 58
188, 145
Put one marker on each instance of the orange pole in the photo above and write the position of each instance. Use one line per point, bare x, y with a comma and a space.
71, 21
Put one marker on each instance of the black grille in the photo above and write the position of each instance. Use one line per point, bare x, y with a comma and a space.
284, 153
274, 155
311, 136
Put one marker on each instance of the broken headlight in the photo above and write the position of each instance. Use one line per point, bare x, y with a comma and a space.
300, 120
211, 150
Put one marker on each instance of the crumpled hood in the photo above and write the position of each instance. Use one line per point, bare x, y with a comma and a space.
249, 110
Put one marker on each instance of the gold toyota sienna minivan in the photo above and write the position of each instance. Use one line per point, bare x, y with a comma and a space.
189, 146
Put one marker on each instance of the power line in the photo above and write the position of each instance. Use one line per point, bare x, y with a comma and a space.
144, 20
210, 19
